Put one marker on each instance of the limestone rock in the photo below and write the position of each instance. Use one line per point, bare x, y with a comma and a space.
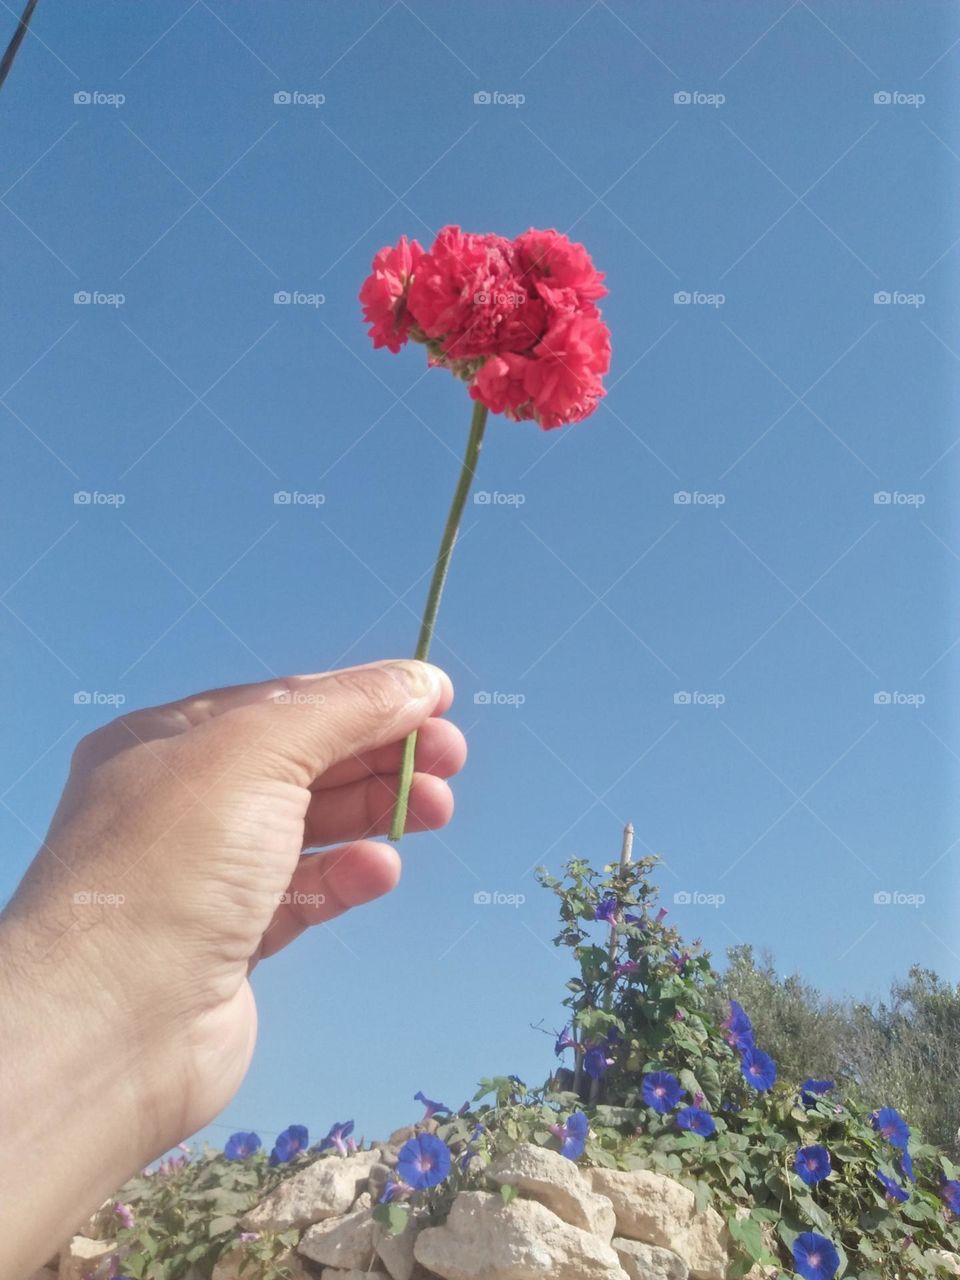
947, 1264
349, 1243
657, 1210
84, 1259
325, 1189
649, 1261
396, 1252
558, 1184
484, 1239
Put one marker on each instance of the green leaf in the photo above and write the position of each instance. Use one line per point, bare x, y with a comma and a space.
394, 1217
508, 1192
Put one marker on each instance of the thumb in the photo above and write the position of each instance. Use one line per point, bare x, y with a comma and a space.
309, 725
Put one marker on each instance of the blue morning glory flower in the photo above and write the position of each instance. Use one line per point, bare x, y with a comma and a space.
890, 1124
891, 1188
241, 1145
336, 1136
812, 1090
738, 1027
564, 1041
595, 1062
606, 911
812, 1164
661, 1090
392, 1190
289, 1144
431, 1106
758, 1069
950, 1195
906, 1166
471, 1151
815, 1257
424, 1161
697, 1121
572, 1135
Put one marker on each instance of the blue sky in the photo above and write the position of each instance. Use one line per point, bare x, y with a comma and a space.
762, 678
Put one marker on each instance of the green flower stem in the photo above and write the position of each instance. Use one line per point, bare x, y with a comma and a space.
440, 569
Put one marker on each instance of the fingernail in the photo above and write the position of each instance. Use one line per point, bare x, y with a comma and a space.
418, 678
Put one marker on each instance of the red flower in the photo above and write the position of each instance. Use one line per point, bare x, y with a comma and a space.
564, 379
500, 384
384, 293
560, 270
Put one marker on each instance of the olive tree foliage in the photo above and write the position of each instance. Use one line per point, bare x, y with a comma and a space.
903, 1049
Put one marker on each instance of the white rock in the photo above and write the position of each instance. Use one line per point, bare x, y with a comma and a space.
557, 1183
484, 1239
396, 1252
649, 1261
84, 1259
231, 1265
325, 1189
947, 1263
349, 1243
657, 1210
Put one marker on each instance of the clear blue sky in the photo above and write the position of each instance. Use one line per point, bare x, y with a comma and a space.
599, 598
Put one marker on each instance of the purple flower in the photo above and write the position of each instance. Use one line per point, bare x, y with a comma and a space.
595, 1062
336, 1137
630, 918
606, 911
906, 1166
758, 1069
392, 1190
564, 1041
738, 1027
246, 1237
661, 1090
289, 1144
892, 1189
471, 1150
696, 1120
661, 915
815, 1257
890, 1124
950, 1195
241, 1145
123, 1214
811, 1090
812, 1164
431, 1106
627, 969
424, 1161
572, 1135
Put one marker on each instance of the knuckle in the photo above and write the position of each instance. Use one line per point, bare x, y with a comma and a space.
376, 692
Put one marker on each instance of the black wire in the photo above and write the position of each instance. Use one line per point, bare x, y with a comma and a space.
11, 51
